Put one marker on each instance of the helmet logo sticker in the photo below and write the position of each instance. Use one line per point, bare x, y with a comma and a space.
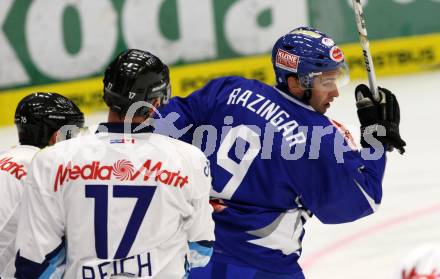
287, 61
61, 100
159, 87
336, 54
307, 33
131, 95
328, 42
23, 119
56, 117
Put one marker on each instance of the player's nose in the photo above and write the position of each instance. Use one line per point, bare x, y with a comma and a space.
334, 94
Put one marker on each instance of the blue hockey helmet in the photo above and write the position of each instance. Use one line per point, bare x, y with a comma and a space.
309, 54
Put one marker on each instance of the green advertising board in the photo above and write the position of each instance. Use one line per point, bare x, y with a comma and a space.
385, 18
44, 41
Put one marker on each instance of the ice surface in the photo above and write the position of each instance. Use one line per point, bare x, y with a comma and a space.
410, 212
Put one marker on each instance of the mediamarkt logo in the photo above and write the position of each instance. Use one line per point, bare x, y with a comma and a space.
122, 170
6, 164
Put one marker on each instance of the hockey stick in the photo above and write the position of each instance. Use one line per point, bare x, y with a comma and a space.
365, 44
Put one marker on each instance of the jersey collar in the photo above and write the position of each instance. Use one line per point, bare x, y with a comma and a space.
293, 100
132, 128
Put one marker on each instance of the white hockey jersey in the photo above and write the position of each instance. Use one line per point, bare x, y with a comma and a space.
115, 205
14, 165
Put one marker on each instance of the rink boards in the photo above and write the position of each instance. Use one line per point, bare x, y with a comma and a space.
391, 57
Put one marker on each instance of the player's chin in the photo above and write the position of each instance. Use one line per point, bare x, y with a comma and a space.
323, 108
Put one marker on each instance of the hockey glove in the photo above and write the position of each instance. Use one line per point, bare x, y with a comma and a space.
374, 116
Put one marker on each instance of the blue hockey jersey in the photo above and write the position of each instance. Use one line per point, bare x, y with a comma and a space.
275, 161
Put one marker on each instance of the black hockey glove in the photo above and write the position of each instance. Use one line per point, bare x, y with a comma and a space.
375, 116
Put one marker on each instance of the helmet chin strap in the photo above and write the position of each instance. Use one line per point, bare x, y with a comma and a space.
306, 96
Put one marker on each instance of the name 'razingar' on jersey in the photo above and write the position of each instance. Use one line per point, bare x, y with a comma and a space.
270, 111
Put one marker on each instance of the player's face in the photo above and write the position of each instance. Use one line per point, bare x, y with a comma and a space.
324, 91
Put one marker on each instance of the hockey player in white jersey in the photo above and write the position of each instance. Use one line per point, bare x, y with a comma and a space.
38, 118
423, 262
123, 202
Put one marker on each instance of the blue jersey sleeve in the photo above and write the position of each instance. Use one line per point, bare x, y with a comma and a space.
338, 190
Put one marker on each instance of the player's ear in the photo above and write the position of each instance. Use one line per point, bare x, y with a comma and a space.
155, 103
53, 138
294, 87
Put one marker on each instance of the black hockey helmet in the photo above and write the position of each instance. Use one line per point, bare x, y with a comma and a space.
135, 75
40, 114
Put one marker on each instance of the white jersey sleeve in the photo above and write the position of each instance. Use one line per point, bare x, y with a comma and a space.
41, 223
13, 172
11, 191
201, 230
202, 227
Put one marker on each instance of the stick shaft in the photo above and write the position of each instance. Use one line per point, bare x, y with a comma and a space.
365, 44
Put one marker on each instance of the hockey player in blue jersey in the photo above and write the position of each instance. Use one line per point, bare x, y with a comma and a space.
276, 159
